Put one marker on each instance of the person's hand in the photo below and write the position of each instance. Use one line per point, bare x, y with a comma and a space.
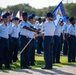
36, 35
38, 30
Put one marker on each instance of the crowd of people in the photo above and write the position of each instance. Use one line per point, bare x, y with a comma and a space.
46, 37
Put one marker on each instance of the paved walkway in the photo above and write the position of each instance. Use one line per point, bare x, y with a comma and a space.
64, 70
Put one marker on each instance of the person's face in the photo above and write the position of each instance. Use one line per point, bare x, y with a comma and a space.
9, 17
34, 19
40, 21
73, 22
25, 18
62, 23
31, 21
5, 20
16, 22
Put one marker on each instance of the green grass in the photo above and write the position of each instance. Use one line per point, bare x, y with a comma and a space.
40, 62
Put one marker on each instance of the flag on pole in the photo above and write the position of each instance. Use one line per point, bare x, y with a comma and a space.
59, 12
19, 15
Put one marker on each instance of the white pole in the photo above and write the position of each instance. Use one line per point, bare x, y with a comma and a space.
26, 45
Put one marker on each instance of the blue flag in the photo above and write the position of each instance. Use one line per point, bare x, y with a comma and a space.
59, 12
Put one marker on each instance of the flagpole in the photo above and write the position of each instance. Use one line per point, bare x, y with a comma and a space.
26, 45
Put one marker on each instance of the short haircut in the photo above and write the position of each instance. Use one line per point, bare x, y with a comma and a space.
30, 17
67, 17
71, 19
49, 14
24, 14
33, 15
4, 16
15, 19
7, 13
39, 19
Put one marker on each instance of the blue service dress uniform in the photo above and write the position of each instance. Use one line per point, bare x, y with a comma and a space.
9, 24
15, 42
32, 47
72, 43
57, 44
24, 33
4, 46
49, 29
40, 40
65, 47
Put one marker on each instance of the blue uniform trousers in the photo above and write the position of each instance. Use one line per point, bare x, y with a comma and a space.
61, 42
16, 48
48, 51
65, 48
0, 54
32, 52
10, 49
56, 49
24, 56
40, 44
72, 48
4, 52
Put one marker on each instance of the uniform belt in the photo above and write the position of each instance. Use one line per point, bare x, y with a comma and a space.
14, 38
4, 38
56, 35
48, 36
72, 35
24, 36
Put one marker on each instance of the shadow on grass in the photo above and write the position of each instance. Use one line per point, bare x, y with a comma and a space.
54, 71
39, 64
23, 70
65, 64
43, 71
15, 65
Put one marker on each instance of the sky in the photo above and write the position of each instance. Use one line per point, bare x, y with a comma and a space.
34, 3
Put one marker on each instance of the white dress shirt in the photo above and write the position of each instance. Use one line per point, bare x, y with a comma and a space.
15, 31
58, 30
66, 26
9, 24
4, 31
72, 30
49, 28
31, 34
24, 31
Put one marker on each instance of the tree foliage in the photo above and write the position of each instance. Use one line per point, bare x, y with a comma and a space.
70, 9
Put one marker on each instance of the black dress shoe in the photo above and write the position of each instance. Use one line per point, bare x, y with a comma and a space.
8, 68
39, 53
32, 64
46, 68
69, 61
27, 67
58, 62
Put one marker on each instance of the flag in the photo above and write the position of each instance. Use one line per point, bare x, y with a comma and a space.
59, 12
19, 15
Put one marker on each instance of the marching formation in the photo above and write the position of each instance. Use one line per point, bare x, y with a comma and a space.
44, 36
